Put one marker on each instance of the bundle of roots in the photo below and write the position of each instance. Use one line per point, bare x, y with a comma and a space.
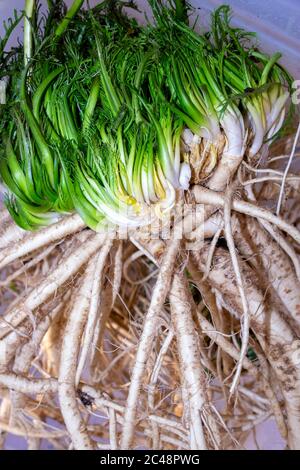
178, 334
141, 342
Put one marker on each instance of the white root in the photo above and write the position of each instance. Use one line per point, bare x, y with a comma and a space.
153, 381
68, 266
256, 245
93, 307
287, 168
5, 407
68, 361
107, 299
117, 272
230, 349
25, 385
279, 239
276, 338
241, 289
189, 355
173, 426
224, 172
264, 179
10, 233
158, 297
27, 266
113, 429
206, 196
224, 344
40, 434
271, 395
25, 357
33, 241
284, 245
9, 346
211, 251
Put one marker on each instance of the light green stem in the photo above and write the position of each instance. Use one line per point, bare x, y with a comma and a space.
28, 45
76, 5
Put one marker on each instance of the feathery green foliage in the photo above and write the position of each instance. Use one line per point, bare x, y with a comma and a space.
93, 119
